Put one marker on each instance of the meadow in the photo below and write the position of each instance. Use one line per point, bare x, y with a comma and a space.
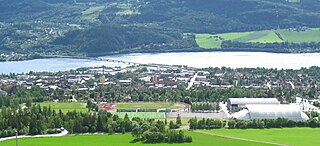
266, 36
65, 106
286, 136
147, 105
199, 139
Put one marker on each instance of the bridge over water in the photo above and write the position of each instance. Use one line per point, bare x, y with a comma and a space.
109, 60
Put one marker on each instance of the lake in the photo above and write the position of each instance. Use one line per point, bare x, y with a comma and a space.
192, 59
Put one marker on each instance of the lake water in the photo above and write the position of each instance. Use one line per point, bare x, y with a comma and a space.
193, 59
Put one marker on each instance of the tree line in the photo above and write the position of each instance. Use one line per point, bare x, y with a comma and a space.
36, 120
194, 123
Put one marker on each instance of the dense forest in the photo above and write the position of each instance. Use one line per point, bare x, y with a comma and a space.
97, 27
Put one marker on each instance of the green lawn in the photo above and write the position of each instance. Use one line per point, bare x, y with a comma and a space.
266, 36
124, 140
152, 115
65, 106
147, 105
288, 136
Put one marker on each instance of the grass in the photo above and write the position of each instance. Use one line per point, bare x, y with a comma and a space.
126, 9
209, 41
147, 105
92, 13
152, 115
124, 140
310, 35
288, 136
92, 10
184, 121
65, 106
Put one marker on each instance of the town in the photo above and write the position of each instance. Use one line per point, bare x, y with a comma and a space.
216, 86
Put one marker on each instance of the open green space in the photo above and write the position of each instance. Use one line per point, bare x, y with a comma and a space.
92, 10
147, 105
265, 36
287, 136
65, 106
125, 140
143, 115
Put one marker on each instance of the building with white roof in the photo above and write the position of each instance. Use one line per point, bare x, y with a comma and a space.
271, 111
236, 104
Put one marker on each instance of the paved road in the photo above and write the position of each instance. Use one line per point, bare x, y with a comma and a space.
63, 133
192, 81
243, 139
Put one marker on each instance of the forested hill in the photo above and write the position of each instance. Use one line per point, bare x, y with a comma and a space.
63, 27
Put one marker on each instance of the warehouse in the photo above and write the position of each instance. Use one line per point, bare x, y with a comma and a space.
258, 111
236, 104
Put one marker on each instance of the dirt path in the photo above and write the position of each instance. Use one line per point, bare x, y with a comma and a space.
243, 139
63, 133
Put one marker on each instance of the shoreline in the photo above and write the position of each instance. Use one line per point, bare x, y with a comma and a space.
154, 52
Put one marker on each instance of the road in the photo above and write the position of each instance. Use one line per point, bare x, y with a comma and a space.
63, 133
192, 81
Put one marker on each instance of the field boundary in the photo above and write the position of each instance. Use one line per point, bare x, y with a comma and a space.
238, 138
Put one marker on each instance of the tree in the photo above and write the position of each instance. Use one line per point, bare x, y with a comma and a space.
172, 125
136, 132
178, 120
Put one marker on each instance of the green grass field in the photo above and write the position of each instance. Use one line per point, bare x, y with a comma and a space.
267, 36
93, 10
143, 115
287, 136
147, 105
65, 106
92, 13
125, 140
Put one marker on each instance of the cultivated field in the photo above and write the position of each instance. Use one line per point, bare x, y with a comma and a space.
65, 106
266, 36
199, 139
286, 136
143, 115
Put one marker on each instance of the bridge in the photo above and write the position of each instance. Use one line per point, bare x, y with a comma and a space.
116, 61
109, 60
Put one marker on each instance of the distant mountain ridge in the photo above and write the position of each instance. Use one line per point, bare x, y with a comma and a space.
74, 27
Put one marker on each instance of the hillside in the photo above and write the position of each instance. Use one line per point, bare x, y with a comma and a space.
98, 27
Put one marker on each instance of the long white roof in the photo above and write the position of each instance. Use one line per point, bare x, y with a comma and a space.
271, 111
254, 101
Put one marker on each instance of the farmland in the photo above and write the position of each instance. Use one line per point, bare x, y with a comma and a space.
288, 136
65, 106
199, 139
146, 105
266, 36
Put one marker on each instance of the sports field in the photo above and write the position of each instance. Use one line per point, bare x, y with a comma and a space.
267, 36
286, 136
143, 115
148, 105
199, 139
65, 106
